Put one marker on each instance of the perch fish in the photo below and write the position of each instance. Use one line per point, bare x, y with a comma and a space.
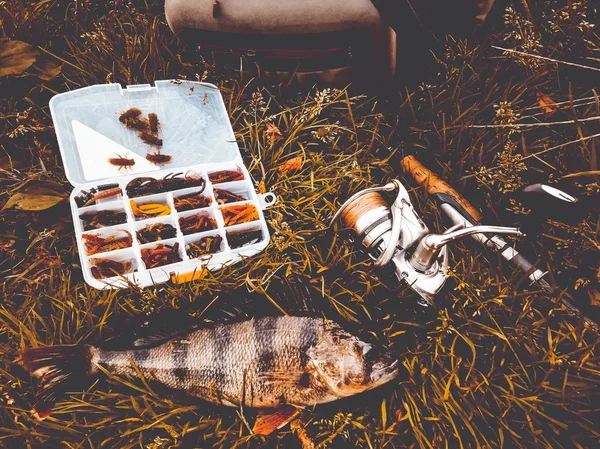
266, 363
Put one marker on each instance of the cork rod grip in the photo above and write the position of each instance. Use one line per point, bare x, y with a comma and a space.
435, 185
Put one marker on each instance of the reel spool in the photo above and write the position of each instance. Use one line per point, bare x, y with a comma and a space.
369, 220
378, 227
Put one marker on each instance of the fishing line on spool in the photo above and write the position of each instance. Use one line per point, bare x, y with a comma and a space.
373, 222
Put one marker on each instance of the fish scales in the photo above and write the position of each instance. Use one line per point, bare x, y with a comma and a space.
254, 362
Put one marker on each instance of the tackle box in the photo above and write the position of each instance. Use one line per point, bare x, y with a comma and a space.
102, 154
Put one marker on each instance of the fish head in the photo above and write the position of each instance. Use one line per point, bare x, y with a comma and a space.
348, 365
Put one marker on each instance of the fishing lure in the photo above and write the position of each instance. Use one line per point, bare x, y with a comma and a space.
238, 239
103, 195
143, 211
196, 223
156, 231
131, 119
153, 122
189, 201
121, 162
159, 159
173, 181
241, 213
161, 255
225, 196
150, 138
204, 246
100, 219
105, 268
96, 244
218, 177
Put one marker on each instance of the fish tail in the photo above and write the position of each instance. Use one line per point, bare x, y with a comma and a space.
59, 368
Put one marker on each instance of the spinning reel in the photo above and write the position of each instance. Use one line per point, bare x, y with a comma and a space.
395, 233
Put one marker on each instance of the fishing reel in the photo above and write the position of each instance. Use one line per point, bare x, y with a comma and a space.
392, 232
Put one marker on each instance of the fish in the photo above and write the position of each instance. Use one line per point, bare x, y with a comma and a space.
270, 363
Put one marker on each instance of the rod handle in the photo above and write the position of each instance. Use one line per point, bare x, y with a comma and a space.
434, 185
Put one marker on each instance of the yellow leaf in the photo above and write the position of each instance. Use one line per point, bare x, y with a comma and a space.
594, 292
547, 104
16, 57
292, 165
261, 187
273, 134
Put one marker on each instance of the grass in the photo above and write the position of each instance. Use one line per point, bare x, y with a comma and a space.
496, 364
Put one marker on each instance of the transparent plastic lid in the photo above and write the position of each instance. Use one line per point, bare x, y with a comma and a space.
194, 128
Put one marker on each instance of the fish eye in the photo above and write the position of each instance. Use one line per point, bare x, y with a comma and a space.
370, 353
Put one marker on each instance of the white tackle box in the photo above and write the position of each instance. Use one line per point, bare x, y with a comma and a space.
196, 132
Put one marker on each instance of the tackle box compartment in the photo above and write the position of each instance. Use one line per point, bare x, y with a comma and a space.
102, 155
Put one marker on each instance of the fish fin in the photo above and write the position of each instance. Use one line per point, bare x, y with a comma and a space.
269, 420
59, 369
283, 378
159, 338
151, 332
295, 296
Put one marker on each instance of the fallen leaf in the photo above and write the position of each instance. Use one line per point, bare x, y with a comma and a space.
547, 104
16, 57
273, 133
594, 290
292, 165
399, 415
261, 187
7, 244
36, 196
594, 297
46, 70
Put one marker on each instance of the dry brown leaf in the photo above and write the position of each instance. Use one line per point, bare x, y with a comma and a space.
273, 133
547, 104
292, 165
46, 70
594, 290
399, 415
262, 189
16, 57
594, 297
36, 196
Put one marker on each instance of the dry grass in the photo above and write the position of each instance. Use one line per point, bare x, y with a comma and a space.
494, 366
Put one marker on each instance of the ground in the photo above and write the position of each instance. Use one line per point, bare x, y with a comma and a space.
497, 363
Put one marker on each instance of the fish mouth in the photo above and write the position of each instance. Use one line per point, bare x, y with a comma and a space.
385, 373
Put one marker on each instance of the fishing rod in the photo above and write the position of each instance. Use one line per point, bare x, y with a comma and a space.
395, 233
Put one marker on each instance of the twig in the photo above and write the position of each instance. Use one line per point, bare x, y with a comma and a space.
575, 100
543, 113
547, 59
531, 125
527, 10
547, 150
582, 173
64, 60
